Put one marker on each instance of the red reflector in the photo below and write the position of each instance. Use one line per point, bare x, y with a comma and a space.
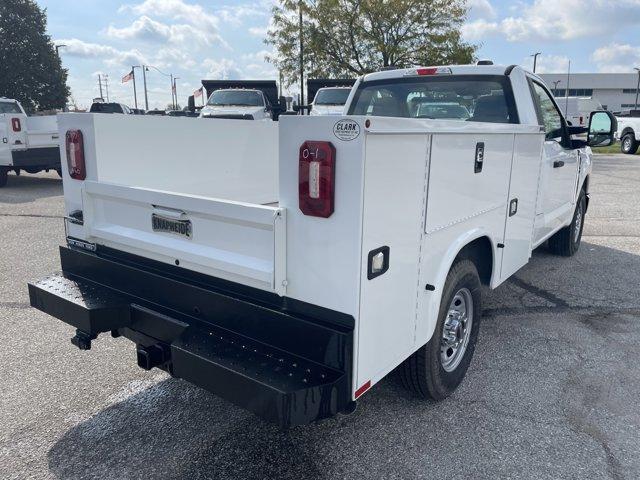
363, 389
75, 155
316, 178
15, 124
581, 121
426, 71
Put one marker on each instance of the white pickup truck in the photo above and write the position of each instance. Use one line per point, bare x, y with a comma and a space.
628, 134
28, 143
288, 267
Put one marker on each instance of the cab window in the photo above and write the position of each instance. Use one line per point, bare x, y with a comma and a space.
451, 97
9, 107
548, 114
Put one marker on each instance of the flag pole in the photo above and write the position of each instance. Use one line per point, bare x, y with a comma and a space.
135, 96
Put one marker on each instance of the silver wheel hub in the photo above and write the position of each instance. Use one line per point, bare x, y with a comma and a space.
627, 143
456, 330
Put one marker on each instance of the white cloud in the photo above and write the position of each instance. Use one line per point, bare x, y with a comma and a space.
549, 20
616, 57
548, 63
223, 69
147, 29
177, 10
251, 67
258, 31
110, 55
237, 13
479, 29
480, 9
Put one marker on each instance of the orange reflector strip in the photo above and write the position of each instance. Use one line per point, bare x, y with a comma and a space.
363, 389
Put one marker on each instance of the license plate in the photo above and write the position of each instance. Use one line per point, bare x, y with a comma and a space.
171, 225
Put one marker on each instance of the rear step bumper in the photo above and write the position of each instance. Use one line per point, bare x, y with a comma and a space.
286, 367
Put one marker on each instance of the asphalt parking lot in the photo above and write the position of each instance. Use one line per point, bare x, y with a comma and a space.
553, 391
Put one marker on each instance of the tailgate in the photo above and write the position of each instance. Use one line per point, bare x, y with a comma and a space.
236, 241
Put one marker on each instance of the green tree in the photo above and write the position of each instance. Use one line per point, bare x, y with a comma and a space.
30, 68
346, 38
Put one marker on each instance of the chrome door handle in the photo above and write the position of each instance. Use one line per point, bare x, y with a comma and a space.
558, 164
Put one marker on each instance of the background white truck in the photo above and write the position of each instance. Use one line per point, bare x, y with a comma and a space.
241, 100
28, 143
628, 134
288, 268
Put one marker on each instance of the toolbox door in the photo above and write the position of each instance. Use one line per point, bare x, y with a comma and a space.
521, 202
393, 219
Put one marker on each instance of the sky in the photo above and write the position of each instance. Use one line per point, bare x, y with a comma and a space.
215, 39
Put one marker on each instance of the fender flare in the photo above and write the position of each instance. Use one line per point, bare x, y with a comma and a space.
449, 257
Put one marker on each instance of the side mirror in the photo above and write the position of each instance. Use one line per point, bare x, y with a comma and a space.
602, 128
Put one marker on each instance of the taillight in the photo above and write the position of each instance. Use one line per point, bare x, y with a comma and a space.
581, 121
75, 155
15, 124
428, 71
316, 178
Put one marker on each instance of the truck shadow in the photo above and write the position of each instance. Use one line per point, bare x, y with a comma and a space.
176, 430
27, 188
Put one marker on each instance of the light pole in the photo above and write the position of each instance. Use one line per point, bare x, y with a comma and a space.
175, 92
555, 87
170, 75
144, 80
535, 60
58, 48
135, 95
637, 86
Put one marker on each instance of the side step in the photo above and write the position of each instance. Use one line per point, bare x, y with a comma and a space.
83, 304
277, 386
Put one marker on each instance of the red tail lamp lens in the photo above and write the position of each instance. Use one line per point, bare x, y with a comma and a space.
15, 124
316, 178
75, 155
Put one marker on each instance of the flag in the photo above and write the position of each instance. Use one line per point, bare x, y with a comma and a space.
127, 77
198, 92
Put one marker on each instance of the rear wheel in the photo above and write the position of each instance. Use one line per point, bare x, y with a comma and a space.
59, 172
3, 177
437, 369
628, 144
566, 242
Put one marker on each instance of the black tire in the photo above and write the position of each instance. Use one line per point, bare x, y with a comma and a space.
59, 172
566, 242
3, 177
423, 372
628, 144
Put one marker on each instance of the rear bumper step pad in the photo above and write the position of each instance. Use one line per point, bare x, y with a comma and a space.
279, 386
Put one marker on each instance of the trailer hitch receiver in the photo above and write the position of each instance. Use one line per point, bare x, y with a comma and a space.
152, 356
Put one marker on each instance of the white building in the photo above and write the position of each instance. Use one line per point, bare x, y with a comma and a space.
615, 91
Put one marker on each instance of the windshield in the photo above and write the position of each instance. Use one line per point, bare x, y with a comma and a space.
478, 99
9, 107
332, 96
241, 98
106, 108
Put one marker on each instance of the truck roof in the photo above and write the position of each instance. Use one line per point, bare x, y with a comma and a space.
455, 70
